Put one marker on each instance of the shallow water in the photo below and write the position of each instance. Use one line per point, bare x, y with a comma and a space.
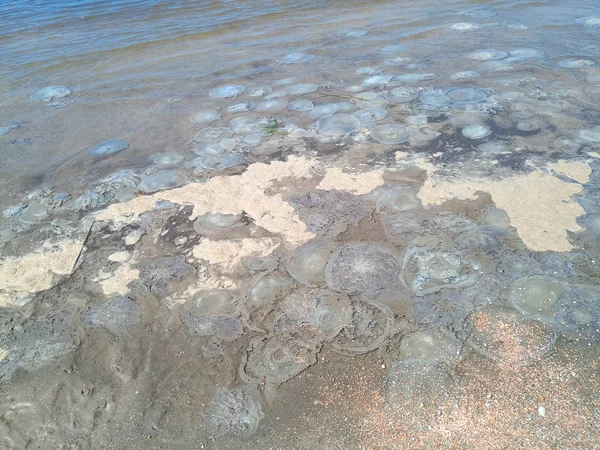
247, 224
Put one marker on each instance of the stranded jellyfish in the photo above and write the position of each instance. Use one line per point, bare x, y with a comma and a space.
115, 315
370, 115
537, 295
307, 264
234, 412
212, 134
476, 131
402, 95
215, 224
486, 55
507, 335
362, 268
428, 271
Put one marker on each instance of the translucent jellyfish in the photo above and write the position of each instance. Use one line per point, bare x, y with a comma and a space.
430, 346
241, 107
222, 327
466, 95
590, 21
362, 268
258, 91
6, 129
49, 93
119, 179
215, 224
301, 89
162, 276
370, 99
537, 295
266, 290
390, 133
271, 105
164, 179
508, 336
575, 63
394, 48
414, 78
212, 134
368, 70
402, 95
217, 162
115, 315
208, 149
167, 159
591, 135
206, 116
277, 359
355, 33
236, 412
371, 326
497, 218
13, 211
370, 115
529, 126
317, 313
244, 125
377, 80
435, 97
307, 264
464, 26
297, 58
468, 74
301, 105
338, 125
325, 110
416, 380
254, 138
110, 147
429, 271
228, 91
476, 131
34, 213
89, 200
398, 198
527, 53
486, 55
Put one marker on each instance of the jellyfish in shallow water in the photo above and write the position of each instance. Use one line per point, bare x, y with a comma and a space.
402, 95
34, 213
527, 53
466, 95
212, 134
590, 21
245, 124
575, 63
215, 224
390, 133
165, 179
590, 135
110, 147
271, 105
325, 110
338, 125
229, 91
13, 211
464, 26
394, 48
355, 33
241, 107
167, 159
476, 131
486, 55
414, 78
435, 97
6, 129
464, 75
51, 92
206, 116
297, 58
370, 115
301, 89
301, 105
377, 80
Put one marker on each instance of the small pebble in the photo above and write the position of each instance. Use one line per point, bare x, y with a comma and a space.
542, 411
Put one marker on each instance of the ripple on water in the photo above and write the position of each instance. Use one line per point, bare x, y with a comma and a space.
297, 58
